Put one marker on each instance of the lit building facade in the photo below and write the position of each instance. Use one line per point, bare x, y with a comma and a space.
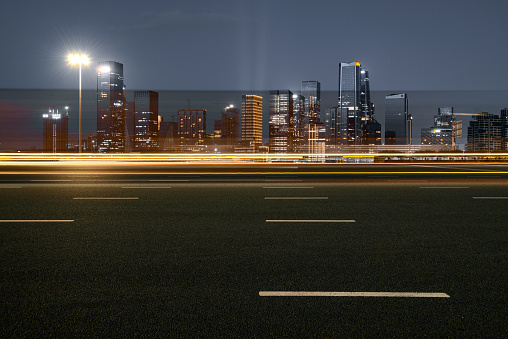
110, 107
229, 126
191, 126
252, 123
311, 91
299, 130
504, 119
146, 121
55, 131
398, 123
280, 121
443, 135
485, 133
349, 103
314, 129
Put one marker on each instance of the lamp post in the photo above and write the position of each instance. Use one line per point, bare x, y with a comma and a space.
79, 59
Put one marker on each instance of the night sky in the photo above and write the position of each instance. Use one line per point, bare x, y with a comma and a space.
258, 45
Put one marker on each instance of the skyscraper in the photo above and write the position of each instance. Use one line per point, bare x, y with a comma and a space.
55, 131
192, 126
299, 130
371, 128
229, 126
356, 117
332, 126
349, 103
311, 91
146, 124
252, 122
280, 121
397, 120
110, 107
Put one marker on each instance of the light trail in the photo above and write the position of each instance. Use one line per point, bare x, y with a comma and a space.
249, 173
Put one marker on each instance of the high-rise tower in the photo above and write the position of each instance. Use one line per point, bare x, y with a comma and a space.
397, 120
146, 114
349, 103
280, 128
252, 123
55, 131
110, 107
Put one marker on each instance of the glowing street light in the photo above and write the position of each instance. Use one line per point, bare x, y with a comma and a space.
79, 59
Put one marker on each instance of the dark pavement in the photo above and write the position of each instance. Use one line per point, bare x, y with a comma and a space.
190, 260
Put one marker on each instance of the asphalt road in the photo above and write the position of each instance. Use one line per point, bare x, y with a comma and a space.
190, 259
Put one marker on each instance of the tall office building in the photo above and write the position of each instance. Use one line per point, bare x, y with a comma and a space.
356, 117
252, 123
366, 106
311, 91
398, 123
485, 133
110, 107
55, 131
191, 126
168, 136
443, 135
349, 103
332, 126
371, 128
229, 126
280, 121
146, 121
129, 126
299, 130
504, 119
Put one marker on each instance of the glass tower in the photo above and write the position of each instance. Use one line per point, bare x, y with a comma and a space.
349, 103
311, 91
146, 124
110, 107
397, 120
280, 123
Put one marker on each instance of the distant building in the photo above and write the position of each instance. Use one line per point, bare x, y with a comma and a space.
252, 123
55, 131
443, 135
168, 136
398, 123
300, 141
229, 126
332, 126
280, 123
191, 127
504, 118
349, 104
129, 126
485, 133
217, 132
371, 132
146, 121
110, 107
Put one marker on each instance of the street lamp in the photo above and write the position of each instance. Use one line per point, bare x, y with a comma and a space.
79, 59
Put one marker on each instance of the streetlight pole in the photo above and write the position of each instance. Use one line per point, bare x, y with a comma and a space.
79, 59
